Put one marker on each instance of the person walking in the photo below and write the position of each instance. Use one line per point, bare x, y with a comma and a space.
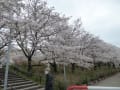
49, 79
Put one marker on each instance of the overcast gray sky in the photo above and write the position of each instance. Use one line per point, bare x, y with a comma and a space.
99, 17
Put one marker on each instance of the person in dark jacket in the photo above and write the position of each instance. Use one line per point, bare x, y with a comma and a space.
49, 80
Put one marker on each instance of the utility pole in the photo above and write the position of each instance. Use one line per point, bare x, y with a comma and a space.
65, 74
65, 77
7, 63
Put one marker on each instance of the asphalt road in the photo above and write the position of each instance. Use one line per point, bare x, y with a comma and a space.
113, 81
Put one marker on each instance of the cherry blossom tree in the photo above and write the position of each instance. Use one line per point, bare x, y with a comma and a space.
8, 8
37, 24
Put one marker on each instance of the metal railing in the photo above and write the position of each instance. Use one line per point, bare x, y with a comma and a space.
75, 87
102, 88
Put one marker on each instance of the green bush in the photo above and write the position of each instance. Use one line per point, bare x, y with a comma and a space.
59, 85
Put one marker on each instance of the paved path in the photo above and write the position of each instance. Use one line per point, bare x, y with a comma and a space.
113, 81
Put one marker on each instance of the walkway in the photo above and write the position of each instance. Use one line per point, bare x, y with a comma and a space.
113, 81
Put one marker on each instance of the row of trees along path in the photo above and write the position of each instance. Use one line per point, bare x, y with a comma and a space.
40, 31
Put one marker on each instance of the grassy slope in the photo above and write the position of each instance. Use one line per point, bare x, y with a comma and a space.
79, 76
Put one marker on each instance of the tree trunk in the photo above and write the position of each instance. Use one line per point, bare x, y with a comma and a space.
94, 64
29, 66
73, 67
54, 66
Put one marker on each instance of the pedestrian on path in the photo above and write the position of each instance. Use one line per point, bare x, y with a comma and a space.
49, 79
